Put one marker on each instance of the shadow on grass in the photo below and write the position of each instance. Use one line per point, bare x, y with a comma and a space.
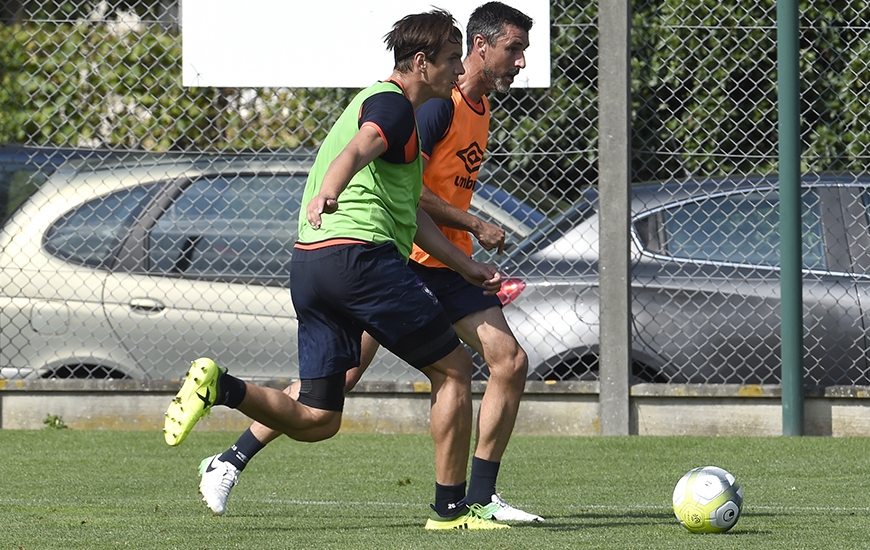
586, 520
380, 523
279, 520
633, 518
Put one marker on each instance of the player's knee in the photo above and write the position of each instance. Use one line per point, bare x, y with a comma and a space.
322, 425
329, 425
352, 377
293, 390
511, 367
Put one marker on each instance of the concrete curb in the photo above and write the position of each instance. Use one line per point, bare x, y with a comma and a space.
548, 408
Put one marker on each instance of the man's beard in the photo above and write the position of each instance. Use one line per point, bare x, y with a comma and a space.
498, 82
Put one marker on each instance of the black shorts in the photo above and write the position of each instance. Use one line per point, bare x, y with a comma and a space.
342, 290
458, 297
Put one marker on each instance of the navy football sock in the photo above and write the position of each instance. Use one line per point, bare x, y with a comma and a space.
481, 486
231, 391
243, 450
449, 499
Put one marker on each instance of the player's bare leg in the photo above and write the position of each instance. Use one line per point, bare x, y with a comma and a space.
220, 473
450, 423
488, 333
369, 348
450, 415
277, 410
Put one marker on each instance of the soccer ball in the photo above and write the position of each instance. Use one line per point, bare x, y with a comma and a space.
708, 500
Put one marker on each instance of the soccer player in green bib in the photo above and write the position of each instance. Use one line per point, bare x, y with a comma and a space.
349, 274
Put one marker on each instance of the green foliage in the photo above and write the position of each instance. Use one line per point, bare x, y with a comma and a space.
550, 135
705, 87
704, 93
54, 422
82, 84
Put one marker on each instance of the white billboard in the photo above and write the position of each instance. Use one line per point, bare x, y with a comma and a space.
325, 43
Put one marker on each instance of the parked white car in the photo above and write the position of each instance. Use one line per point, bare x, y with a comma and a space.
131, 267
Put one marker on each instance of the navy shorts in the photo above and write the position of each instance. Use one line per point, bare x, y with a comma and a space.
342, 290
458, 297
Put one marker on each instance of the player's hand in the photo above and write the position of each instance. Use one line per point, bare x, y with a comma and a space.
490, 236
484, 276
319, 205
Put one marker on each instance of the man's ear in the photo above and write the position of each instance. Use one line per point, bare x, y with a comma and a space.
480, 43
420, 62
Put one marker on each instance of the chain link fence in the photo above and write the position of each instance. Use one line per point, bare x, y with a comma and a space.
170, 239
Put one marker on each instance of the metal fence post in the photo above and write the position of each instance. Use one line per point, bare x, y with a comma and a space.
790, 218
614, 151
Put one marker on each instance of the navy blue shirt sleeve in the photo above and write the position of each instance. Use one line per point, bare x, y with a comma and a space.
434, 118
394, 115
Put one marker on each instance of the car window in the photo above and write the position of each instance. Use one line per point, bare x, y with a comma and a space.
17, 183
229, 226
90, 233
23, 170
736, 228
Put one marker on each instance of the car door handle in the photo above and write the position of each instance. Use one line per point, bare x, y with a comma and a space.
146, 305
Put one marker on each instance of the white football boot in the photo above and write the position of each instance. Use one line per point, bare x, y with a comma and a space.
500, 510
218, 479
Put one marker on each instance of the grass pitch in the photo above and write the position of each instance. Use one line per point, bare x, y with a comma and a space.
64, 489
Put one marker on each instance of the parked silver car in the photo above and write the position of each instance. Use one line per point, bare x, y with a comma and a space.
131, 267
705, 284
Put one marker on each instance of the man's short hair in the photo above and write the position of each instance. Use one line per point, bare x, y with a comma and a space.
490, 19
421, 32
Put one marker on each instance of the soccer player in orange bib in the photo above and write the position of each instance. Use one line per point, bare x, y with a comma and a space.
453, 134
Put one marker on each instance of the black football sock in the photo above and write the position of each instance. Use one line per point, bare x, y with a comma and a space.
481, 486
231, 391
449, 499
243, 450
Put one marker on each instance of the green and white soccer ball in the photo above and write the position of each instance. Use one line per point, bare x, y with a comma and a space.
708, 500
